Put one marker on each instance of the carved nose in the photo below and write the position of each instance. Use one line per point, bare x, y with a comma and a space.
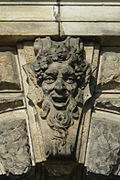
59, 86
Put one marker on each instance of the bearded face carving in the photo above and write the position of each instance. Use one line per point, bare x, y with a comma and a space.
59, 84
62, 73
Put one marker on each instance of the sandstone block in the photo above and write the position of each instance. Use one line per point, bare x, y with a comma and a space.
27, 13
90, 28
90, 13
7, 104
14, 149
109, 76
28, 28
104, 144
108, 104
9, 76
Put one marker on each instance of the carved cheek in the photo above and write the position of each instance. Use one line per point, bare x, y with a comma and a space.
72, 87
47, 88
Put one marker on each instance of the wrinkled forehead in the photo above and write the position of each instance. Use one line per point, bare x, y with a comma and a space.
57, 67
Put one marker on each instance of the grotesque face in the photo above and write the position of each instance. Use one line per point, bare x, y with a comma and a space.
59, 84
60, 70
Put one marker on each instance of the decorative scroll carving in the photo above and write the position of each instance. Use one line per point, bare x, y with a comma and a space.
57, 79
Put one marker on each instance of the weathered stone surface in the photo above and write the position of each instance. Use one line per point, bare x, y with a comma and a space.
29, 51
92, 56
30, 2
108, 103
28, 28
35, 135
104, 144
14, 149
90, 13
89, 2
9, 75
109, 75
27, 13
7, 104
57, 79
89, 28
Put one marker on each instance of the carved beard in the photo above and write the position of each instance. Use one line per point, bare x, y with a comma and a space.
60, 120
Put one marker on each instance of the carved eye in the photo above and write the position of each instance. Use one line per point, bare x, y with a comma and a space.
69, 80
49, 80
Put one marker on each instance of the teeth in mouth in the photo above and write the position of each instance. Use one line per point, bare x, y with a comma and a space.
60, 99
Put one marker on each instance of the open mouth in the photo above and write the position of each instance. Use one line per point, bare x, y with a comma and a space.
60, 101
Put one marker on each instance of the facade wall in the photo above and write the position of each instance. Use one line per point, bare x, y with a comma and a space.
59, 18
23, 25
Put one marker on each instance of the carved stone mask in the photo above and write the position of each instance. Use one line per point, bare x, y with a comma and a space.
59, 84
62, 73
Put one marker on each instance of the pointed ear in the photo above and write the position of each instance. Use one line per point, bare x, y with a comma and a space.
42, 44
76, 43
67, 42
38, 46
47, 43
